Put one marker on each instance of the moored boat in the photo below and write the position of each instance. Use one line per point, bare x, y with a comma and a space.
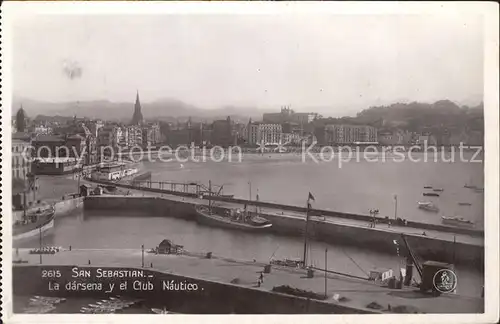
427, 187
431, 194
428, 206
241, 221
464, 204
35, 223
457, 221
438, 189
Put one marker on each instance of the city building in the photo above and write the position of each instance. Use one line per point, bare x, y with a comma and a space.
109, 136
48, 146
21, 155
287, 115
426, 139
270, 133
42, 130
252, 133
350, 134
134, 134
222, 133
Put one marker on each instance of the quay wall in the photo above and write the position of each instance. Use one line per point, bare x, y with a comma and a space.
377, 239
211, 296
68, 206
367, 218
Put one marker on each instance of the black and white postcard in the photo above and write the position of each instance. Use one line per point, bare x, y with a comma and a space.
249, 158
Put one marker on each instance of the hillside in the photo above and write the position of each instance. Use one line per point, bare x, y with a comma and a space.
415, 116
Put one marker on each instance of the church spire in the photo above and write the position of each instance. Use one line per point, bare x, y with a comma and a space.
21, 120
137, 118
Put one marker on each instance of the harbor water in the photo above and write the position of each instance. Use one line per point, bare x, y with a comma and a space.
354, 187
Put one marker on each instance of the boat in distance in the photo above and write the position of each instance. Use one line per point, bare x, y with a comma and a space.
209, 216
432, 194
457, 221
428, 206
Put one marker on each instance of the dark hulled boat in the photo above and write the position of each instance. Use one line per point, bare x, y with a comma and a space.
240, 221
34, 224
432, 194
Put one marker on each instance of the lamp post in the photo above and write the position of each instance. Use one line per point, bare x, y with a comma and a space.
142, 248
40, 239
326, 267
395, 207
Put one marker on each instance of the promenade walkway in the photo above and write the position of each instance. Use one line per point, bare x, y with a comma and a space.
358, 293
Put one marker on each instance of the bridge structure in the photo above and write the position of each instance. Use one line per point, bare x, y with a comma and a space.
195, 188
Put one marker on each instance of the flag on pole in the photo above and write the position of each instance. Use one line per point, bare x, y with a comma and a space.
311, 197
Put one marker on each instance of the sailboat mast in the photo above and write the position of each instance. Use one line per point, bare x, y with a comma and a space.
306, 234
210, 196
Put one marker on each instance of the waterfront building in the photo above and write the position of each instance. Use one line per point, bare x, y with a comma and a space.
134, 136
252, 133
396, 137
56, 165
350, 134
77, 145
21, 155
151, 134
426, 139
109, 136
270, 133
137, 118
122, 137
48, 146
42, 130
292, 138
222, 132
176, 137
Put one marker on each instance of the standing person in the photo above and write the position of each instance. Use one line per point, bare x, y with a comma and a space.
261, 277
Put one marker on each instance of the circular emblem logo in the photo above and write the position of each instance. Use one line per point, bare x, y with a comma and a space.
445, 281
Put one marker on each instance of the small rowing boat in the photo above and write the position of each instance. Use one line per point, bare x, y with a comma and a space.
457, 221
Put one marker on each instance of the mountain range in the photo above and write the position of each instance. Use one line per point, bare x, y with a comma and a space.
165, 109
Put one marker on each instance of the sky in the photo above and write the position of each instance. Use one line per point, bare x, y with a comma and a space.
335, 63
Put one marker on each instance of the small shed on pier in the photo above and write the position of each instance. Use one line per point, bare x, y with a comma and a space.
85, 190
169, 247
